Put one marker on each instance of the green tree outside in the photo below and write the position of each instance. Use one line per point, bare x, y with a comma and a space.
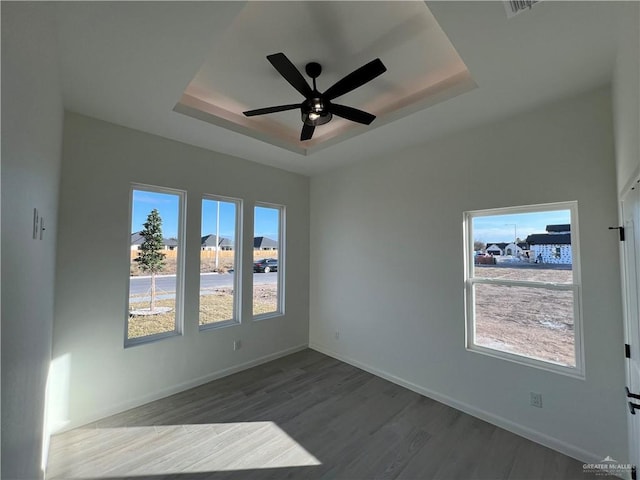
150, 259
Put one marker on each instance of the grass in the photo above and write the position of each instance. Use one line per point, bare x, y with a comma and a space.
142, 326
216, 305
265, 299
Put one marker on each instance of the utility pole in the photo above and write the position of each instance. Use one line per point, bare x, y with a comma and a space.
217, 233
515, 234
515, 238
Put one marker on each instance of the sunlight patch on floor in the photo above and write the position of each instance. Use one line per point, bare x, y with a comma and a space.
168, 449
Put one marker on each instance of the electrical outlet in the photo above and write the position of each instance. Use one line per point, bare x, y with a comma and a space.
237, 344
536, 399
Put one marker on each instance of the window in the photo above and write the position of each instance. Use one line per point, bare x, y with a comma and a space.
525, 307
268, 260
219, 254
156, 259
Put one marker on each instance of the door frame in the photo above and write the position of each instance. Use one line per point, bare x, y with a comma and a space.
630, 268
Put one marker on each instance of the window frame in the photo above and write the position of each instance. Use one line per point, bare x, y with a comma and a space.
575, 287
180, 266
280, 311
237, 264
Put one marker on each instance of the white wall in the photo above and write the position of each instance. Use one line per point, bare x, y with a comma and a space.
394, 287
96, 374
31, 147
626, 96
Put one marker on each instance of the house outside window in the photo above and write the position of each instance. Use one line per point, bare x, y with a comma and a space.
554, 246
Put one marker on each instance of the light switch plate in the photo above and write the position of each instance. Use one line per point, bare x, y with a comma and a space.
36, 223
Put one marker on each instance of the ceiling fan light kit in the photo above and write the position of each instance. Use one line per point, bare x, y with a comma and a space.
314, 113
317, 108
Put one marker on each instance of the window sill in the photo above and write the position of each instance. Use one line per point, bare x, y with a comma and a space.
133, 342
218, 325
574, 372
266, 316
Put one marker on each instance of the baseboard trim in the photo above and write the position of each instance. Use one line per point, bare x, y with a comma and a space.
121, 407
526, 432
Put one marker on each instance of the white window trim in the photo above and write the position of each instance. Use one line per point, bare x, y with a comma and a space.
180, 257
576, 287
281, 261
237, 265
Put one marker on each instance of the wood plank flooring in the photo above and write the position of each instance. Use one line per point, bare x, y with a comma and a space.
305, 416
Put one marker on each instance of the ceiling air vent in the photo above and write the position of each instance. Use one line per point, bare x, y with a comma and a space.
514, 7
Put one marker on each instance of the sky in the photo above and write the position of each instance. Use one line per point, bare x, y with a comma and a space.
265, 222
227, 218
495, 228
500, 228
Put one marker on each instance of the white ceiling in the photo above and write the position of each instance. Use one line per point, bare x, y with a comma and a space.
130, 63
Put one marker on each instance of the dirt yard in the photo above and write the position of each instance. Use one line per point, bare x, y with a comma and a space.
535, 322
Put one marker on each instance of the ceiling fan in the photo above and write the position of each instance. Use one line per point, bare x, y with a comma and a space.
318, 108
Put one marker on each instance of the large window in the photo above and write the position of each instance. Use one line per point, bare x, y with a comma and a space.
268, 260
523, 285
155, 273
219, 254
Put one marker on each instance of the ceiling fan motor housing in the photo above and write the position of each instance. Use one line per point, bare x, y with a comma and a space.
315, 111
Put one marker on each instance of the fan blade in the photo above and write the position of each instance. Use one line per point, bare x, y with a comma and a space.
307, 132
356, 79
278, 108
352, 114
290, 73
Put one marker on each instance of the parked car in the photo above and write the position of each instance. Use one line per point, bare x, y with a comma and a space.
265, 265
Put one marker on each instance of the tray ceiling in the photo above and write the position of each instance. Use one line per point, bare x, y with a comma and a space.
423, 67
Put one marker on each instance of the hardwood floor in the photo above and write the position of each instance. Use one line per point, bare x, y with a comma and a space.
305, 416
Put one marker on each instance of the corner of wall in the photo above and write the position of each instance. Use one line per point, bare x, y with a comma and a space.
32, 116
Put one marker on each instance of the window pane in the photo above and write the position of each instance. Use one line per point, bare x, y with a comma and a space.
218, 261
266, 264
532, 322
533, 246
155, 263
